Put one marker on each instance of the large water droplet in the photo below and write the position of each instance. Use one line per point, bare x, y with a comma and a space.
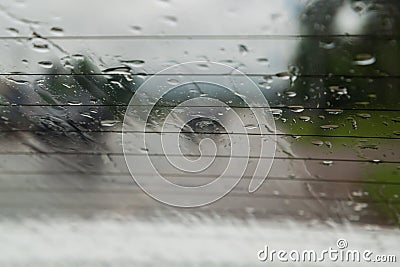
74, 102
304, 118
334, 111
327, 45
317, 142
296, 109
327, 162
290, 93
46, 64
364, 59
283, 75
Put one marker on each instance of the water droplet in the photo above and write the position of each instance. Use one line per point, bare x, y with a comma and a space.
74, 102
327, 162
118, 70
13, 31
329, 127
276, 112
283, 75
40, 45
360, 206
328, 144
144, 149
340, 90
290, 93
46, 64
86, 115
17, 81
268, 79
264, 85
57, 30
263, 61
358, 6
364, 60
136, 29
376, 161
358, 193
136, 63
203, 66
172, 81
171, 20
334, 111
108, 123
396, 119
364, 115
327, 45
78, 56
243, 49
296, 109
317, 142
250, 126
304, 118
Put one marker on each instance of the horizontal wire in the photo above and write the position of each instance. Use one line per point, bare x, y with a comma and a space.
205, 176
317, 75
20, 153
209, 36
327, 109
208, 133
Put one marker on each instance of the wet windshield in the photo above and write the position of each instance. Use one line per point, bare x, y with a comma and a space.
328, 70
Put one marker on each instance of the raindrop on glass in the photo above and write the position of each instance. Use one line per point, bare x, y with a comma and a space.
304, 118
364, 60
46, 64
108, 123
329, 127
134, 63
74, 102
243, 49
290, 93
296, 109
57, 30
263, 61
327, 162
317, 142
364, 115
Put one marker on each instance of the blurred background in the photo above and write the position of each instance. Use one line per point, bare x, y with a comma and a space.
330, 70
